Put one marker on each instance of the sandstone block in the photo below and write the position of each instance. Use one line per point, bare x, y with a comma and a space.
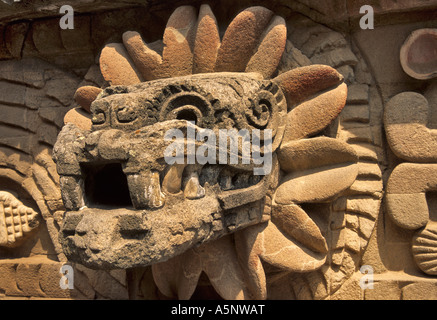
293, 220
313, 115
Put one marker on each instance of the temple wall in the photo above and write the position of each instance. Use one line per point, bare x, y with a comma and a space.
385, 220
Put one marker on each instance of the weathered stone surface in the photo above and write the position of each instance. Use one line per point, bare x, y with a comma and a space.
84, 96
207, 42
219, 262
178, 42
269, 52
145, 58
424, 247
305, 154
249, 251
406, 190
16, 220
358, 94
284, 252
346, 223
241, 39
174, 55
311, 116
314, 185
294, 221
124, 117
14, 38
406, 117
418, 54
303, 83
117, 67
117, 137
419, 291
78, 117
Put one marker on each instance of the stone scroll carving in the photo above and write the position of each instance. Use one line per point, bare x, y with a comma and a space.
128, 207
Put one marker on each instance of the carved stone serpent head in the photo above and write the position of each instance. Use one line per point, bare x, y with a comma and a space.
129, 206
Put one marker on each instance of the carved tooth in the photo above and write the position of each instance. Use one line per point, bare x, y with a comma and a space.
145, 190
156, 198
193, 189
226, 182
173, 179
72, 190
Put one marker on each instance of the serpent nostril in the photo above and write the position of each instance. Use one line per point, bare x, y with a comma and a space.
80, 233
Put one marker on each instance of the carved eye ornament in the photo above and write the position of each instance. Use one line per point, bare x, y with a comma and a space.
189, 106
99, 117
126, 114
261, 109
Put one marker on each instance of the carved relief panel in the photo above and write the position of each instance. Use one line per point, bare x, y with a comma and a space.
249, 154
242, 231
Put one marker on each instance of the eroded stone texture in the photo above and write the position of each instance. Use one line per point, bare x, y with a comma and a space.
16, 220
409, 125
406, 120
418, 54
207, 42
213, 202
304, 243
84, 96
424, 246
241, 39
311, 165
270, 49
120, 127
117, 67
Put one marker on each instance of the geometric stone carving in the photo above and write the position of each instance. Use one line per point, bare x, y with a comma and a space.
408, 121
16, 220
406, 194
406, 117
424, 247
418, 54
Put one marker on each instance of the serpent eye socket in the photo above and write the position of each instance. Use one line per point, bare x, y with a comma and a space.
126, 114
188, 112
100, 113
189, 106
129, 113
98, 118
